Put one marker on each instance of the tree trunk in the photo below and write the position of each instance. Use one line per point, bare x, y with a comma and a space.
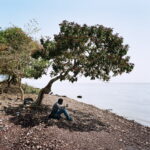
46, 90
21, 90
9, 81
22, 93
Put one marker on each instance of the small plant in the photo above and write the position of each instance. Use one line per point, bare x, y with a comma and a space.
29, 89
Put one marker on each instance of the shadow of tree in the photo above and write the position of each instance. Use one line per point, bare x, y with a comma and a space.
33, 116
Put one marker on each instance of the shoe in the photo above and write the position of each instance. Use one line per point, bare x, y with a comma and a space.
70, 119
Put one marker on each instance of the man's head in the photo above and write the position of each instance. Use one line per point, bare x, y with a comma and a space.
60, 101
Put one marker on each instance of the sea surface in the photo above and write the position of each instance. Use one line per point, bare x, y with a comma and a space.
131, 100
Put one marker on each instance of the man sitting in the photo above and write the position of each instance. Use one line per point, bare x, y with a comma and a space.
57, 110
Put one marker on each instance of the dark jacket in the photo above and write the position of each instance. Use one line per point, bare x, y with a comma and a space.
55, 108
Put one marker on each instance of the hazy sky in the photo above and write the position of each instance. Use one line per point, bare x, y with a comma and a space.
129, 18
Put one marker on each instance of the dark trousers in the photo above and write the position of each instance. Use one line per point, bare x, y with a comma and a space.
57, 115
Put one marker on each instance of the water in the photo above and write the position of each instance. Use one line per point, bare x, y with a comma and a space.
3, 77
131, 100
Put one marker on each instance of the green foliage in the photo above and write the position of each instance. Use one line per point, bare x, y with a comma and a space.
37, 68
48, 51
16, 48
15, 38
91, 51
14, 53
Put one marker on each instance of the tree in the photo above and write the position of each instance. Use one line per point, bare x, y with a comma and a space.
90, 51
16, 47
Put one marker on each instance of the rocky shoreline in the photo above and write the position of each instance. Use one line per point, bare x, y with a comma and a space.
25, 128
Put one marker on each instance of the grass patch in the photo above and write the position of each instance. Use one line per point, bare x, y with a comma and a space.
29, 89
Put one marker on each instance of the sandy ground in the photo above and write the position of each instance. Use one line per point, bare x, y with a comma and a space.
26, 128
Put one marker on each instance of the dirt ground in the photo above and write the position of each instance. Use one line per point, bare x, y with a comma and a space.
26, 128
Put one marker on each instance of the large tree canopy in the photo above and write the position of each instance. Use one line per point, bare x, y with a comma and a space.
90, 51
16, 47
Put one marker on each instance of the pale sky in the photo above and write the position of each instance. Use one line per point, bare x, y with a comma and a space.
129, 18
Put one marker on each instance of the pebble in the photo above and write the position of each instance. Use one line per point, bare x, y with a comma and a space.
2, 128
17, 113
27, 142
38, 146
120, 140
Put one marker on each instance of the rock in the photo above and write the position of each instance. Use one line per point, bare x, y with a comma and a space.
2, 128
9, 98
63, 96
38, 147
79, 96
27, 142
50, 93
120, 140
17, 113
108, 109
28, 101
